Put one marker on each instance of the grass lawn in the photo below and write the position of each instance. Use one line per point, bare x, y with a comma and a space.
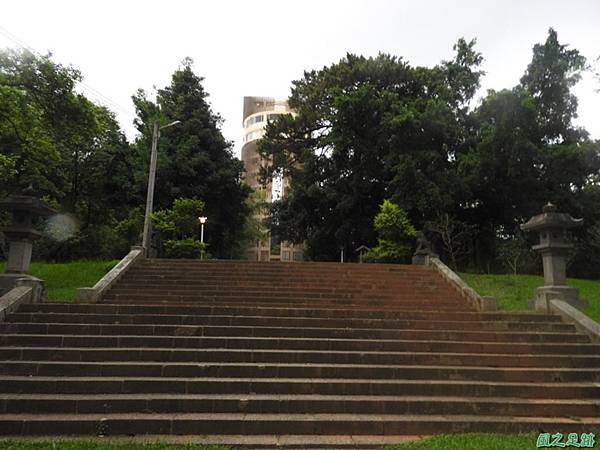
513, 292
63, 278
472, 441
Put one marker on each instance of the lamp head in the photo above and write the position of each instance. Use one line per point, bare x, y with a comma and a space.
175, 122
202, 220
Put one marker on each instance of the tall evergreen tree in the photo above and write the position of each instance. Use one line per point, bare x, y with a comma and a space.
553, 71
194, 158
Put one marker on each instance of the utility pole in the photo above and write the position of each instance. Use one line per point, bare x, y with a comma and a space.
150, 194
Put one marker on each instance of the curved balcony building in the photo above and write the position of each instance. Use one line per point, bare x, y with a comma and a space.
257, 112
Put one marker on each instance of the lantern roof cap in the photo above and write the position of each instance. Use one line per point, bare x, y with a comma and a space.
16, 202
549, 218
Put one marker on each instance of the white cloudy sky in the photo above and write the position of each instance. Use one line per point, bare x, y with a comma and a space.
258, 47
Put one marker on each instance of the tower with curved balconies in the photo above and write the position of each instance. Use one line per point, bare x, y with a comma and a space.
257, 112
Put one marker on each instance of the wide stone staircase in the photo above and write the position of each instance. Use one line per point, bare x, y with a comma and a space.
301, 354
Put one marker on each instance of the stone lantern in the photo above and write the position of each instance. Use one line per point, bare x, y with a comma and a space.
21, 234
553, 247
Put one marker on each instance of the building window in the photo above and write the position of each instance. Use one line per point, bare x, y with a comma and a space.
273, 116
257, 134
255, 119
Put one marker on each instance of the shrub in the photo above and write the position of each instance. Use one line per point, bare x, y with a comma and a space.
395, 235
184, 248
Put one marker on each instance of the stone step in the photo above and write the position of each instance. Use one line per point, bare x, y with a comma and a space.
284, 294
281, 267
332, 270
366, 282
292, 277
259, 441
251, 370
261, 350
293, 404
432, 284
293, 343
209, 330
359, 304
332, 274
335, 273
463, 319
324, 280
134, 287
243, 262
574, 356
233, 320
278, 291
348, 303
321, 386
303, 424
411, 332
335, 268
427, 290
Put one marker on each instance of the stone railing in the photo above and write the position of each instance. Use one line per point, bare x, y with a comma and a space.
479, 302
93, 294
17, 296
27, 290
583, 323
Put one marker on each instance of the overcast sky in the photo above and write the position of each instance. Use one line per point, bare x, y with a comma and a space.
258, 47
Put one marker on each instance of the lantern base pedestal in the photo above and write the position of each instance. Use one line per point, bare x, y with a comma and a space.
12, 280
422, 258
19, 257
568, 294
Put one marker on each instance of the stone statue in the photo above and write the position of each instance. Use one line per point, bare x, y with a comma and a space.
423, 244
423, 251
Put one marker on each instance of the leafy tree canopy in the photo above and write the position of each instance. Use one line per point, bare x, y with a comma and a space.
368, 129
526, 150
71, 151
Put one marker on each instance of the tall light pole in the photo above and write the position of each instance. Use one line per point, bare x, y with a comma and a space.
202, 222
151, 178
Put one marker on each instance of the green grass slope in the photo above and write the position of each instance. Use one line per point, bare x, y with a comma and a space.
513, 292
62, 279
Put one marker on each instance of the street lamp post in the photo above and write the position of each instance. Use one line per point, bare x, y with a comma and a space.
202, 222
151, 178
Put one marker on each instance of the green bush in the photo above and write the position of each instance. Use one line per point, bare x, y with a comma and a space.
181, 221
184, 248
177, 229
395, 235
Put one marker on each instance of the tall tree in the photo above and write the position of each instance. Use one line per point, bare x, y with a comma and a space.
70, 150
553, 71
368, 129
526, 150
28, 90
194, 158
